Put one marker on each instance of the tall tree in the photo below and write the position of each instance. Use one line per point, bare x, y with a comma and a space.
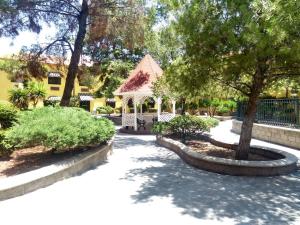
242, 44
75, 21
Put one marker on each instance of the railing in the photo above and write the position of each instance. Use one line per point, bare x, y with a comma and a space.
166, 117
276, 112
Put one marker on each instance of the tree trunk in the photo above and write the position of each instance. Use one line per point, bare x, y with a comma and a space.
246, 130
183, 106
73, 66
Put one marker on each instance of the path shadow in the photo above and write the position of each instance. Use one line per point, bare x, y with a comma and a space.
204, 195
125, 142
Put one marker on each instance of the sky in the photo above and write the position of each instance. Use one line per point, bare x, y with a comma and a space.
10, 46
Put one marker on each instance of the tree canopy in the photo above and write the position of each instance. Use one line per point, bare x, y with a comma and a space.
241, 44
78, 23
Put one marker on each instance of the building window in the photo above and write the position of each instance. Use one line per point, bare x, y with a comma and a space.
84, 90
54, 78
54, 88
111, 102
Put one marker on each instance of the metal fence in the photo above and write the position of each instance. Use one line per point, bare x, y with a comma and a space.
276, 112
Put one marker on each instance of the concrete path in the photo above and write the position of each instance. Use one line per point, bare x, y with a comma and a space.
223, 133
142, 183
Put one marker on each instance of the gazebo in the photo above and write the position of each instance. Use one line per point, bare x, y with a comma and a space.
138, 87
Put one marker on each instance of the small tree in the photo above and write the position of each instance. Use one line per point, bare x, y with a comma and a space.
19, 98
242, 44
36, 92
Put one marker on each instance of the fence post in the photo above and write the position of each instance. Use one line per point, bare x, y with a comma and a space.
238, 110
298, 112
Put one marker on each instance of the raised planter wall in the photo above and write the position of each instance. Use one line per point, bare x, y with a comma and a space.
278, 135
282, 163
27, 182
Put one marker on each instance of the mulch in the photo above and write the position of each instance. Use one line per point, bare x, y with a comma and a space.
25, 160
211, 150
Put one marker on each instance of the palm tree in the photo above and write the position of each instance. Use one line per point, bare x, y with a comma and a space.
36, 92
19, 97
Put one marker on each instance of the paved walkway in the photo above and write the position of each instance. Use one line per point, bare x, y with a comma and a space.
223, 133
142, 183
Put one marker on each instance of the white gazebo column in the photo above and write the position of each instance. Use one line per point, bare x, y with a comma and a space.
158, 108
123, 110
174, 107
135, 112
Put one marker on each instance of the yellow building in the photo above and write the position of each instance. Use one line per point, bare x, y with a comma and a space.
54, 84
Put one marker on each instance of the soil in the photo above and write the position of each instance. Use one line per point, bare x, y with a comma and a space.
25, 160
212, 150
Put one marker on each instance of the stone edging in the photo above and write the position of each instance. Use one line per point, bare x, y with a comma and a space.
230, 166
27, 182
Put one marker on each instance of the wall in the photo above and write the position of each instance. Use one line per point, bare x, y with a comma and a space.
6, 85
278, 135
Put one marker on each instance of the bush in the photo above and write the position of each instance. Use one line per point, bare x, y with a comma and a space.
4, 149
60, 129
105, 110
8, 115
222, 110
160, 128
211, 122
52, 103
19, 98
74, 101
187, 125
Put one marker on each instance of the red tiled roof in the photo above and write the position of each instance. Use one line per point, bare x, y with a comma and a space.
142, 77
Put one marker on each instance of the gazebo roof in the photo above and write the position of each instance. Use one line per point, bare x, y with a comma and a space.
141, 78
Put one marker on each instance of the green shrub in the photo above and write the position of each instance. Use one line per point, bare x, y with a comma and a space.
187, 125
4, 148
51, 102
105, 110
231, 105
8, 115
222, 109
74, 101
60, 129
19, 98
160, 128
211, 122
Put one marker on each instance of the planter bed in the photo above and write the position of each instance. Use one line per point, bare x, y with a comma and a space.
17, 185
279, 162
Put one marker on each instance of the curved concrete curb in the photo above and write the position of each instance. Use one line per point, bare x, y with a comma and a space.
27, 182
275, 167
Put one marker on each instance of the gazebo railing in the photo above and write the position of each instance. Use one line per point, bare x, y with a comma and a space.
128, 119
166, 117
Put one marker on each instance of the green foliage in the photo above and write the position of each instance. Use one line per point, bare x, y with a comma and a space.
187, 125
219, 106
211, 122
113, 73
160, 128
23, 68
4, 147
8, 115
60, 129
74, 101
51, 102
36, 92
19, 98
105, 109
